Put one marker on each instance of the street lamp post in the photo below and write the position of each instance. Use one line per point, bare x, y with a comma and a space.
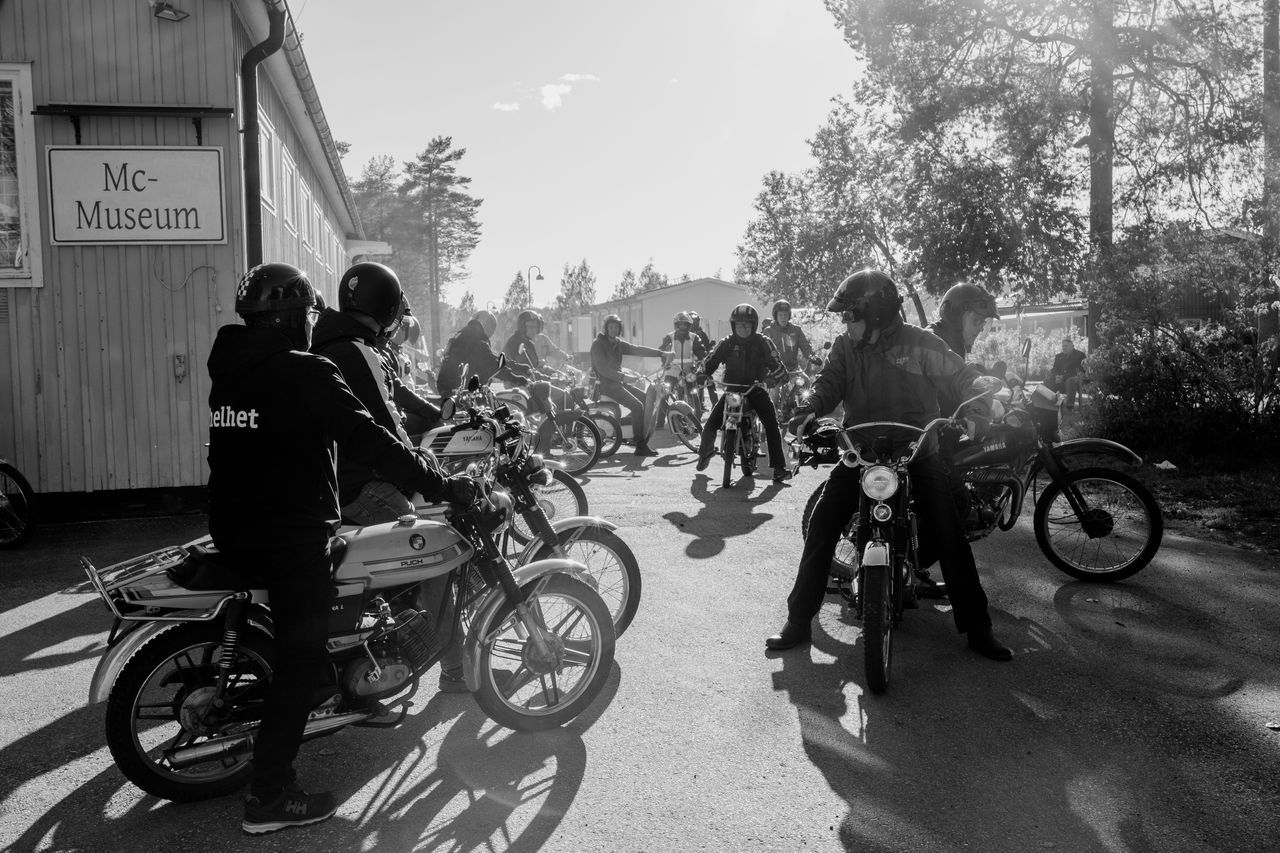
528, 279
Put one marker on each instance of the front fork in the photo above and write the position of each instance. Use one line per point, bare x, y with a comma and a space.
1059, 474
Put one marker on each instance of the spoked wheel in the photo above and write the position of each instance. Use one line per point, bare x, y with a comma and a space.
17, 507
877, 625
531, 686
1115, 537
610, 561
610, 433
729, 449
564, 498
685, 428
845, 561
163, 701
575, 445
748, 455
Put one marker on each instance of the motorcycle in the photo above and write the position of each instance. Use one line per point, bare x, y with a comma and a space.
190, 653
17, 506
507, 464
1091, 521
674, 407
741, 435
605, 409
788, 395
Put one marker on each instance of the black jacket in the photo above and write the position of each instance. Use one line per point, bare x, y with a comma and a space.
745, 360
372, 377
520, 350
274, 417
469, 346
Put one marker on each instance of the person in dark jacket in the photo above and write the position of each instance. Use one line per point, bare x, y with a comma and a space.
607, 351
276, 414
1068, 372
370, 301
788, 338
470, 346
962, 316
883, 369
748, 357
521, 349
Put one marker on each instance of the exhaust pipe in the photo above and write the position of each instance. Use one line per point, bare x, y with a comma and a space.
189, 756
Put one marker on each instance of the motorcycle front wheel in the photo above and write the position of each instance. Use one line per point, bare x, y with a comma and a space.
17, 507
877, 626
613, 565
576, 446
1115, 537
685, 428
729, 449
529, 690
610, 433
163, 700
564, 498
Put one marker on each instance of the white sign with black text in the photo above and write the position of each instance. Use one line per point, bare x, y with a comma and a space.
118, 195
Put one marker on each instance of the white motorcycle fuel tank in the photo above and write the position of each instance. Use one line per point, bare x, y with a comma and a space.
400, 552
455, 446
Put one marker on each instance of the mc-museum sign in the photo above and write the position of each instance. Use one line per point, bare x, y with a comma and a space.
118, 195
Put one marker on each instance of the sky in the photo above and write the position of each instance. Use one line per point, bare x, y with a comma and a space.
616, 132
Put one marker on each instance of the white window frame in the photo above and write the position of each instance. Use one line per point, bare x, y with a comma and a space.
24, 137
288, 191
266, 160
304, 213
328, 246
317, 231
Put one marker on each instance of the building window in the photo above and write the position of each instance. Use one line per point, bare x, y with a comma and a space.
327, 250
267, 161
304, 211
20, 240
314, 227
288, 191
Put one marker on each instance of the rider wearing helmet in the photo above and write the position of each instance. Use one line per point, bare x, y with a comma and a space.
353, 338
748, 357
470, 346
788, 338
682, 352
883, 369
547, 350
276, 412
607, 351
962, 316
521, 350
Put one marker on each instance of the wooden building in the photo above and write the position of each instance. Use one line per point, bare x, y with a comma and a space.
124, 226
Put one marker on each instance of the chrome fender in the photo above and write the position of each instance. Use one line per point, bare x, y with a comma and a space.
559, 526
876, 553
487, 611
116, 657
683, 408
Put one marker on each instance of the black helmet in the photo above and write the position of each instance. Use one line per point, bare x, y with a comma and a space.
527, 316
745, 313
274, 287
871, 295
780, 305
612, 318
371, 289
963, 297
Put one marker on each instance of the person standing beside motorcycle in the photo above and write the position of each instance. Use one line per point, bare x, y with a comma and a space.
607, 351
962, 316
883, 369
748, 357
788, 338
470, 346
273, 505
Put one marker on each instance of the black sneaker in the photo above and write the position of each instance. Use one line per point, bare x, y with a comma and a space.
293, 807
781, 475
705, 460
452, 680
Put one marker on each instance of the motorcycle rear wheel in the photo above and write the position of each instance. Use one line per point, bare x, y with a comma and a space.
610, 433
156, 702
564, 498
613, 565
729, 449
845, 560
685, 429
17, 507
576, 446
1127, 525
877, 626
521, 692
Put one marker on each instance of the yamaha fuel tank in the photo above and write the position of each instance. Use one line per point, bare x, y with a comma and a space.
401, 552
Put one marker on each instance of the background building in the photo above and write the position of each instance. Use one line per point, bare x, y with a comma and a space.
124, 227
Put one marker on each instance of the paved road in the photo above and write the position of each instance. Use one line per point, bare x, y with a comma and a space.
1133, 718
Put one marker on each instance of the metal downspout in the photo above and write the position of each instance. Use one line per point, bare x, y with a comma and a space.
249, 98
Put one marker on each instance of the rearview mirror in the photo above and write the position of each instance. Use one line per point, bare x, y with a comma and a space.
446, 409
1026, 347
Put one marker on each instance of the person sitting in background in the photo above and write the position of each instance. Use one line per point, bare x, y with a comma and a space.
1068, 372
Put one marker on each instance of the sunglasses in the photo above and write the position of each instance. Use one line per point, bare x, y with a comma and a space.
852, 315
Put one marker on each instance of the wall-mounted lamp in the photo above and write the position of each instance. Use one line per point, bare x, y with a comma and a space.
165, 11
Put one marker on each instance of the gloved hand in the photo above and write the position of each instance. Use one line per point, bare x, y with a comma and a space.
460, 490
801, 422
701, 378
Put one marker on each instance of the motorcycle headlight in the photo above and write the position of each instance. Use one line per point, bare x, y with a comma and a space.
801, 381
879, 483
732, 398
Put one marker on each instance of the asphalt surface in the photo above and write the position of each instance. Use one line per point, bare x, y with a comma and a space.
1134, 717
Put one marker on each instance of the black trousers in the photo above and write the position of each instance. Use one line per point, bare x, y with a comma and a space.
632, 402
763, 407
301, 591
941, 539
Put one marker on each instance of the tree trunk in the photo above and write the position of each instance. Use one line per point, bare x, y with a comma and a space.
1269, 320
433, 279
1101, 152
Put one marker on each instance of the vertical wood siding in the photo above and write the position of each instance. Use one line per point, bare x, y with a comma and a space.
90, 356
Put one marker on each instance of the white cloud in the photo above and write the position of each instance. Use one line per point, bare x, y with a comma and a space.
553, 94
580, 78
506, 108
